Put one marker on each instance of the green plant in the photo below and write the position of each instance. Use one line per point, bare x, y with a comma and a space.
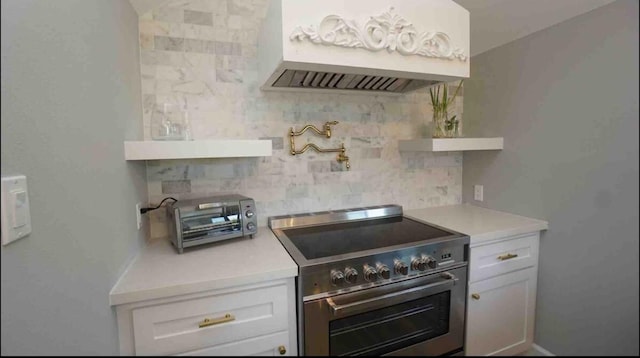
443, 126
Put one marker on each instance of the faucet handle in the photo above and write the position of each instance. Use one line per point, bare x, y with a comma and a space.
327, 128
343, 158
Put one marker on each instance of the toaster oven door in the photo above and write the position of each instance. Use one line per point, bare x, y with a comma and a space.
216, 223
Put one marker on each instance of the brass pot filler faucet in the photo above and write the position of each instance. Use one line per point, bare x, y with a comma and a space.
342, 157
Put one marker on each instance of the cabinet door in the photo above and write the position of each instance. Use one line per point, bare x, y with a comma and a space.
500, 314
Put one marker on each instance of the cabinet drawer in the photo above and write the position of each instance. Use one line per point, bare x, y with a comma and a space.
260, 346
174, 327
502, 257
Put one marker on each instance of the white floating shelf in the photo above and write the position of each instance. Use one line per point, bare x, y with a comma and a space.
154, 150
450, 144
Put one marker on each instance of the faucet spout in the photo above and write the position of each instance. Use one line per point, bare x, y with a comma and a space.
326, 132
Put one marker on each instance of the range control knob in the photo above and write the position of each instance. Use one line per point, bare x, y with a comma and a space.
251, 226
383, 271
418, 264
370, 274
248, 213
350, 275
430, 261
400, 267
337, 277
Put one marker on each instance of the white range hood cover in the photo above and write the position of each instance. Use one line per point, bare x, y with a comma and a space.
377, 46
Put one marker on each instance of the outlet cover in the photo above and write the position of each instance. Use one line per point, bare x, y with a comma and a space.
478, 192
138, 216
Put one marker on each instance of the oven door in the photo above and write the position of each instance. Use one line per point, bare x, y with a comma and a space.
416, 316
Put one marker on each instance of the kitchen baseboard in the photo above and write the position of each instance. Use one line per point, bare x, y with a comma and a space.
542, 351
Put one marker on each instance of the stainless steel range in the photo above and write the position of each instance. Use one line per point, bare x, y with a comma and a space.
373, 282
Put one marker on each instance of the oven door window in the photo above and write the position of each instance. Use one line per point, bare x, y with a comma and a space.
388, 329
211, 222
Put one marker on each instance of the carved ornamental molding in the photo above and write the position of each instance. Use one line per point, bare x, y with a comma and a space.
387, 31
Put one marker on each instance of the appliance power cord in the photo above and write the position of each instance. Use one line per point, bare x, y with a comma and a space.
144, 210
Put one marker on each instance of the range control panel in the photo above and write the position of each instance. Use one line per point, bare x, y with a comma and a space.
348, 275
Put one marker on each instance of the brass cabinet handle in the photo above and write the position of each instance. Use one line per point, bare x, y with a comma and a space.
475, 296
282, 350
507, 256
211, 321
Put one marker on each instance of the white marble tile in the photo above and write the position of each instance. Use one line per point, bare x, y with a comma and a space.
207, 62
198, 17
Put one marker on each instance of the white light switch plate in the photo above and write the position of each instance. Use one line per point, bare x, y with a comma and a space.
478, 192
16, 217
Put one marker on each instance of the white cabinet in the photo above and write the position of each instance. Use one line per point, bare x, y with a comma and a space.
502, 296
500, 320
254, 319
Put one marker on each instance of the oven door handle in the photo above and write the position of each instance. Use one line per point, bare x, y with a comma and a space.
391, 298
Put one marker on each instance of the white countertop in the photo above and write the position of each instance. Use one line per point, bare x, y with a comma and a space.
159, 271
481, 224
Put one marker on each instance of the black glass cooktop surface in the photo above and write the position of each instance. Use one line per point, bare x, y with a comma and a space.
338, 239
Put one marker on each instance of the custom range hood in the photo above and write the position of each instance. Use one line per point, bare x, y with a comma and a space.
362, 46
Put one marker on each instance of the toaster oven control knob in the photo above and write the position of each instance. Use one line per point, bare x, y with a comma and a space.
418, 264
350, 275
248, 213
337, 277
370, 274
383, 271
400, 267
430, 261
251, 226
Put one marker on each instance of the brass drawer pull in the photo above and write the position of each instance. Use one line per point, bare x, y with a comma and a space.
507, 256
282, 350
211, 321
475, 296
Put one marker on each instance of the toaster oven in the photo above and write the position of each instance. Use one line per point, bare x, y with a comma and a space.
205, 220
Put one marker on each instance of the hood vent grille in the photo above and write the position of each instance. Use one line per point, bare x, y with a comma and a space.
330, 80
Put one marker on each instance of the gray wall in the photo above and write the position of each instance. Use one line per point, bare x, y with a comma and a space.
566, 101
70, 97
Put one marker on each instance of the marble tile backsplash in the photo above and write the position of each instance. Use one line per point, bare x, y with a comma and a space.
203, 55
